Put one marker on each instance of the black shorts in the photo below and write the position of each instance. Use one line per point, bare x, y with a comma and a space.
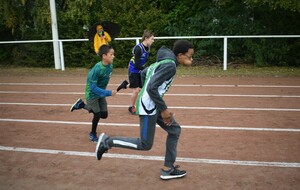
97, 105
135, 80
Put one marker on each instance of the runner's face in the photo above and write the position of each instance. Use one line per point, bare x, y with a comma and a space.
186, 58
109, 57
149, 41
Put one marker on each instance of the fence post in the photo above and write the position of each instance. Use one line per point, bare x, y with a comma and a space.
61, 53
55, 34
225, 54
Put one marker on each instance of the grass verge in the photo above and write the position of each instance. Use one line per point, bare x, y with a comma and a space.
200, 71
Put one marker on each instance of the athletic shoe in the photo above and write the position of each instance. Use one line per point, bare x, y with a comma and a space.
123, 85
102, 146
93, 137
132, 110
173, 173
79, 104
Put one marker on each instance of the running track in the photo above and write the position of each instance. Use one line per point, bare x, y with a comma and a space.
231, 125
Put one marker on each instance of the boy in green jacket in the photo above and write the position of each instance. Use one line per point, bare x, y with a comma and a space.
95, 91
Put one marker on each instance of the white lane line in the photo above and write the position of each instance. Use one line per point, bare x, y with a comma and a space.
41, 84
177, 85
24, 92
190, 95
237, 85
155, 158
137, 125
171, 107
237, 95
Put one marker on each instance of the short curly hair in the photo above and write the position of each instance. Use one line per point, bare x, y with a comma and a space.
182, 46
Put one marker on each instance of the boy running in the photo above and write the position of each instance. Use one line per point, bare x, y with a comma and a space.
137, 64
153, 110
95, 91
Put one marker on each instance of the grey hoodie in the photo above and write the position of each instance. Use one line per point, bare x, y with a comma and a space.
159, 82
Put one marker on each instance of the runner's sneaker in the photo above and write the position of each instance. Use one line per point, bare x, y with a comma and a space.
79, 104
102, 146
173, 173
132, 110
93, 137
123, 85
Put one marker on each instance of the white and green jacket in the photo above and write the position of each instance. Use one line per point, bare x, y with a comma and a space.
157, 79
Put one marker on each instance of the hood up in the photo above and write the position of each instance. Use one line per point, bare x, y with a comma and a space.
165, 53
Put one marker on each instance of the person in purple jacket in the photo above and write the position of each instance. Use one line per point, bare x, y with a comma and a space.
152, 109
137, 64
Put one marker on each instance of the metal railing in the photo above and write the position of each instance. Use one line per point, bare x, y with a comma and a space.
61, 63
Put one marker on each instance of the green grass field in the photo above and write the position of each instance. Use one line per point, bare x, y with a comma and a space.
240, 70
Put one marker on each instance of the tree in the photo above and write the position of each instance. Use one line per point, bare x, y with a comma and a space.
31, 20
289, 5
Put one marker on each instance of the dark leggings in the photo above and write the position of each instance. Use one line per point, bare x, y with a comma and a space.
96, 119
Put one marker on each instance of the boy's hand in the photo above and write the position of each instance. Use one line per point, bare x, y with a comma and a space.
113, 93
167, 117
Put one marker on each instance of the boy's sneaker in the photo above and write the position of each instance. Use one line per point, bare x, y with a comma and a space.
79, 104
173, 173
93, 137
102, 146
132, 110
123, 85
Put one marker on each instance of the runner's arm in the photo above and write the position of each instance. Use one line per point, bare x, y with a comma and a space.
163, 73
137, 56
100, 91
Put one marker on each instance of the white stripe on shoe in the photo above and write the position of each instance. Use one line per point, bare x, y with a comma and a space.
98, 145
172, 176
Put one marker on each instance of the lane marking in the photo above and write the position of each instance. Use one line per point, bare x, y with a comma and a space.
24, 92
177, 85
155, 158
237, 86
171, 107
190, 95
237, 95
40, 84
137, 125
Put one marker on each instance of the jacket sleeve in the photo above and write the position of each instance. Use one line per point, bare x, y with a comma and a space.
107, 37
143, 75
96, 43
100, 91
162, 73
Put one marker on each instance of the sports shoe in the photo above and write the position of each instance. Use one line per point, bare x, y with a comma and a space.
102, 146
173, 173
132, 109
79, 104
123, 85
93, 137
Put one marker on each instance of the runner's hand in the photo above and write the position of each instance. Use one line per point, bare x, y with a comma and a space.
113, 92
167, 117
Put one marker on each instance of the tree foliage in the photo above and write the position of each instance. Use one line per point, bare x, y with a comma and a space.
31, 20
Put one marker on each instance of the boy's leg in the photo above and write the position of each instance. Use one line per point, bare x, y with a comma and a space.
99, 109
145, 142
173, 131
170, 171
134, 84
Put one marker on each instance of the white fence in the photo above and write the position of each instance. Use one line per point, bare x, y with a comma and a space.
60, 63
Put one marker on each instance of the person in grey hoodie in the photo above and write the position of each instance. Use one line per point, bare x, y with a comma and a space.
152, 109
